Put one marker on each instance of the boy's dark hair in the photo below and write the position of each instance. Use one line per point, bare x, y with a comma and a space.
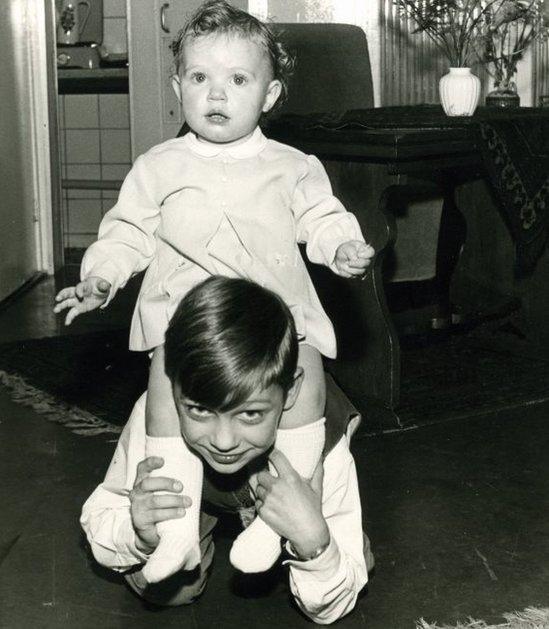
227, 338
218, 16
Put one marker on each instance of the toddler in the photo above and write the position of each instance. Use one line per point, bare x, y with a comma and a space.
222, 200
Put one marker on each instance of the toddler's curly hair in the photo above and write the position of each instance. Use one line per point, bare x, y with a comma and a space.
218, 16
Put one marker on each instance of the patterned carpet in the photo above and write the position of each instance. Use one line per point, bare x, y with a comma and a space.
89, 379
470, 373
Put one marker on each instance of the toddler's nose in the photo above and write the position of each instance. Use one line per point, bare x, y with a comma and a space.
217, 93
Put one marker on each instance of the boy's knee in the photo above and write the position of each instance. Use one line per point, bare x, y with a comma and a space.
183, 588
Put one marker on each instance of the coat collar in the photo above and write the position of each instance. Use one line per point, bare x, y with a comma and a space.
252, 146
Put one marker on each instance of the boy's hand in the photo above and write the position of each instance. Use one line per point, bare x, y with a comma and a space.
352, 258
85, 296
292, 506
148, 508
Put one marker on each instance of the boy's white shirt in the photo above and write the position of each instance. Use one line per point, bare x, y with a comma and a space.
325, 588
189, 209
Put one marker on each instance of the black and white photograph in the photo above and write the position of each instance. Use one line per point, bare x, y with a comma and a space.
274, 302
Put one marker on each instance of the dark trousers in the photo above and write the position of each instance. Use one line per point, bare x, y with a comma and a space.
184, 587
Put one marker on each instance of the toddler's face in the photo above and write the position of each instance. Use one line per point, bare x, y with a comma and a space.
225, 84
229, 440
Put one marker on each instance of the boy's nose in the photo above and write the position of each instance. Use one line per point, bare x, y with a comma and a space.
223, 438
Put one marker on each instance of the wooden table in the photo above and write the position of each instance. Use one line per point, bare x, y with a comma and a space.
368, 363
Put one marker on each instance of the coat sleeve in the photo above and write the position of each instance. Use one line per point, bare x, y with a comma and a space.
126, 242
322, 221
105, 517
326, 588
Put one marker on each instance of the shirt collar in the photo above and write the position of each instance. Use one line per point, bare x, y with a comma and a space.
250, 147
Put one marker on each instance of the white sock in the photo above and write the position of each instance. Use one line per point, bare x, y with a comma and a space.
179, 546
258, 547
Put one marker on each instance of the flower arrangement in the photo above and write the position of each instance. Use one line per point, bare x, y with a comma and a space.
510, 26
496, 32
455, 26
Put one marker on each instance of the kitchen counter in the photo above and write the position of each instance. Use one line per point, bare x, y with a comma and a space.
94, 81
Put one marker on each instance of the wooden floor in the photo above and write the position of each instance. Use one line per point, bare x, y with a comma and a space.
458, 515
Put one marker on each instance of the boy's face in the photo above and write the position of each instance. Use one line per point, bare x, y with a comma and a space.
229, 440
225, 84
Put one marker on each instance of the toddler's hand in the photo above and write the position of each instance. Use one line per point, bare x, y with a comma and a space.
148, 508
352, 258
85, 296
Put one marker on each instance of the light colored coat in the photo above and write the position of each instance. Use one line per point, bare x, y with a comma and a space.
189, 209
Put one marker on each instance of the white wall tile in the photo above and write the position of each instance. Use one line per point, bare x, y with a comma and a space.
79, 241
82, 146
110, 195
81, 111
115, 146
62, 140
85, 215
61, 110
79, 193
115, 35
83, 171
114, 8
114, 111
114, 171
107, 204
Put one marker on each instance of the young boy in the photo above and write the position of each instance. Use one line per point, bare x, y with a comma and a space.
231, 355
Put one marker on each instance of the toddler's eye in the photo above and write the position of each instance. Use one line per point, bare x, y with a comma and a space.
239, 79
198, 77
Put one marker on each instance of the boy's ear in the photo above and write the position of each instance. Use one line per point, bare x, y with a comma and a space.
273, 92
176, 85
293, 392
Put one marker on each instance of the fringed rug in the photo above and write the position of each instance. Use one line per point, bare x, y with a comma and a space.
86, 382
530, 618
90, 382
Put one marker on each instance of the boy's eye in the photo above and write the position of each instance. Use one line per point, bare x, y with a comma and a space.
251, 416
239, 79
198, 411
198, 77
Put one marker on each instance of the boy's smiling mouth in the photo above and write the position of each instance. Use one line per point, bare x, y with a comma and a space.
225, 459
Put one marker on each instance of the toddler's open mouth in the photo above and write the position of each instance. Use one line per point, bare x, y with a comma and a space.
217, 116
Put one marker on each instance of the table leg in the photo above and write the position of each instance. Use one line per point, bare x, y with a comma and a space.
452, 235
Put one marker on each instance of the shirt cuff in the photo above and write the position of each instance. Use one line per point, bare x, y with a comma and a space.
106, 271
322, 567
127, 543
343, 230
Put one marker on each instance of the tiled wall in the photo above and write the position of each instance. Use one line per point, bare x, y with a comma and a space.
95, 141
95, 144
114, 26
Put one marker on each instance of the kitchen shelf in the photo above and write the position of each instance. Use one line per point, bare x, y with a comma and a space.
94, 81
91, 184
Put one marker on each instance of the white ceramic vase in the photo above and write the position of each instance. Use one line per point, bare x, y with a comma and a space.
459, 92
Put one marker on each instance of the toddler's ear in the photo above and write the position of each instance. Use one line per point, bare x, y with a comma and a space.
176, 85
272, 95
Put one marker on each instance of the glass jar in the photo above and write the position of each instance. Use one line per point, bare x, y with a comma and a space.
504, 96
